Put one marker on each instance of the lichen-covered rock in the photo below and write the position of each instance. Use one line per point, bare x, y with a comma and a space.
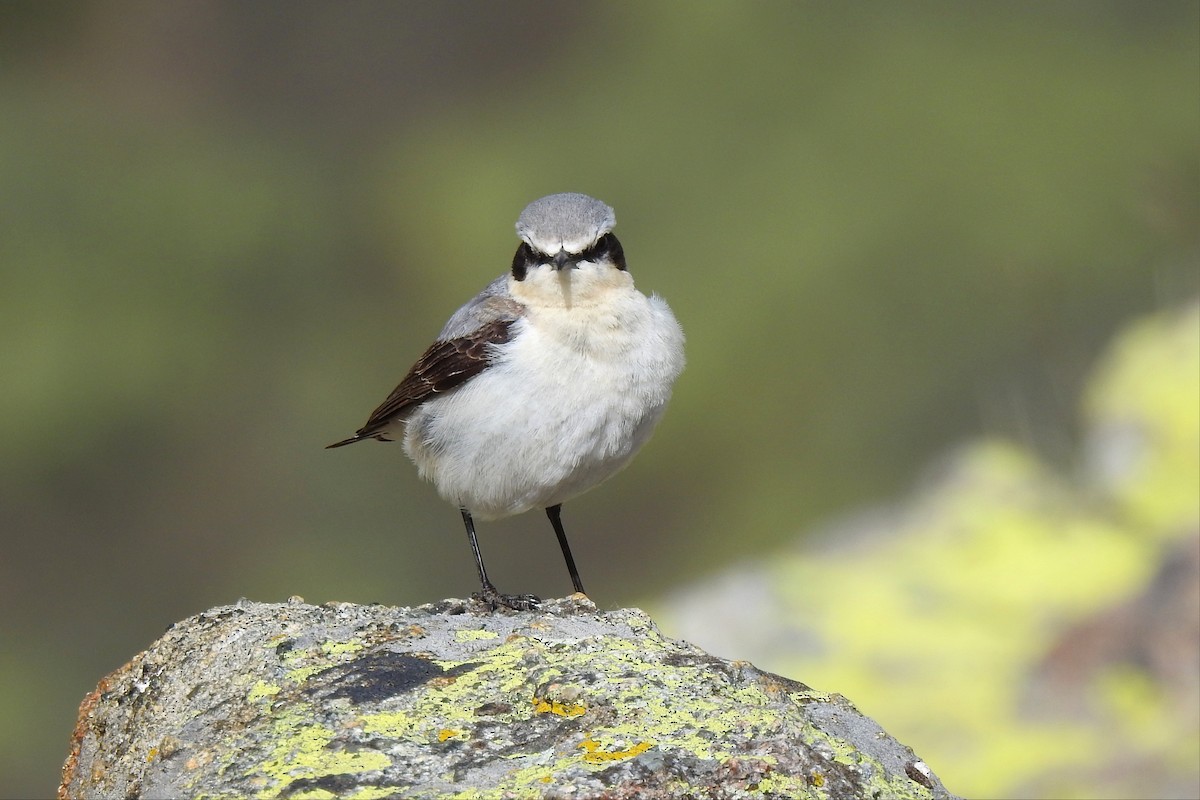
1051, 616
451, 700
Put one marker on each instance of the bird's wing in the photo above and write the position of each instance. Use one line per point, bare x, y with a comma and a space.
446, 364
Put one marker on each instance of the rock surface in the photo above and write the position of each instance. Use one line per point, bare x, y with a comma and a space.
452, 700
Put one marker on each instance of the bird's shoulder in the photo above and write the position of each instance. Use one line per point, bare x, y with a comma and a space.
494, 304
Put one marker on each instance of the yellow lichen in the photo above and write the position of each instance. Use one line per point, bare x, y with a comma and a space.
302, 674
340, 648
262, 691
302, 751
541, 706
594, 755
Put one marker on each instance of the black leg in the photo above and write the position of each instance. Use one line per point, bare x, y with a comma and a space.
483, 578
488, 593
555, 515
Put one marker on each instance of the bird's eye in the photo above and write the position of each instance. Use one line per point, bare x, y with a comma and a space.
607, 248
523, 260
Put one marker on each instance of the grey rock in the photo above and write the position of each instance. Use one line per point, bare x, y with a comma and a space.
454, 700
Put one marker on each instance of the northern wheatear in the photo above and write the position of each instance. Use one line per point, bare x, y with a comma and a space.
544, 384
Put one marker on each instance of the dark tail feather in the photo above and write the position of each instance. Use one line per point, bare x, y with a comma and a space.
358, 437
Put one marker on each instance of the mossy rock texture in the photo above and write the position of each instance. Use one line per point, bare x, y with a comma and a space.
456, 700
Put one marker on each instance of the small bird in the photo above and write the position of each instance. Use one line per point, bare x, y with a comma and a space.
543, 385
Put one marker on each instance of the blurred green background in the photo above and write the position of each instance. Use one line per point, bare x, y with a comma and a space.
226, 230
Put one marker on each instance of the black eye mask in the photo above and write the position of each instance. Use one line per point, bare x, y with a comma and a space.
607, 247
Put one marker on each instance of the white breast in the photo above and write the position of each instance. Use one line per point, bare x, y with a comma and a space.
573, 395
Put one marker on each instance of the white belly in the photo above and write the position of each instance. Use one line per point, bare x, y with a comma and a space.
568, 403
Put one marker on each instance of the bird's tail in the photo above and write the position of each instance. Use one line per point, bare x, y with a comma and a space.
358, 437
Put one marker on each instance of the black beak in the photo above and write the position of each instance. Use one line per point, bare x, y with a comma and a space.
562, 259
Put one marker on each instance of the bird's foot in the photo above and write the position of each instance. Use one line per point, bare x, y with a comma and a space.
494, 600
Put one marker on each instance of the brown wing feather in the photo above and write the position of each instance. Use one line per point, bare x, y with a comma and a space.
444, 366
